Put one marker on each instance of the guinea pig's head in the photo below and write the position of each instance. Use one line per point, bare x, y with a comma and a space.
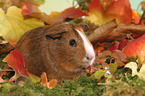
68, 48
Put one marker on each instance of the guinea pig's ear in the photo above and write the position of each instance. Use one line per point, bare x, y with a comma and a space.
54, 36
84, 26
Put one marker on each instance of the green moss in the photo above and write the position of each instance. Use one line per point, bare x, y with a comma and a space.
83, 86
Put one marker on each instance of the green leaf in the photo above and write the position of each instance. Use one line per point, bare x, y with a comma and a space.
99, 74
119, 63
106, 53
113, 67
119, 55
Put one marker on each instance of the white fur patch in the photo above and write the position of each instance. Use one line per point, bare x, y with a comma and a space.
88, 48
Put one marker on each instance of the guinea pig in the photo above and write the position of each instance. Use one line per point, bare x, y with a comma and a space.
61, 50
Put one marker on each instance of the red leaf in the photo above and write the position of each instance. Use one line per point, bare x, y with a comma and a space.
122, 44
29, 8
114, 46
119, 10
16, 60
68, 13
73, 13
136, 48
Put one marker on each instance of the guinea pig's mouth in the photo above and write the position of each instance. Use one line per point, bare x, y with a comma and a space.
84, 67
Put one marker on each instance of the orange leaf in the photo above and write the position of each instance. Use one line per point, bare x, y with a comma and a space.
51, 84
119, 10
16, 60
2, 80
68, 13
43, 79
136, 18
143, 5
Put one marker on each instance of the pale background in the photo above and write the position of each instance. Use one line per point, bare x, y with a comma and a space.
60, 5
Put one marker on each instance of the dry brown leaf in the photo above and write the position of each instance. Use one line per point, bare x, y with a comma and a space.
100, 34
5, 48
111, 31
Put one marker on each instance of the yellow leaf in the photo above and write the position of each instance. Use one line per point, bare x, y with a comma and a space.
133, 67
142, 72
34, 78
13, 25
142, 69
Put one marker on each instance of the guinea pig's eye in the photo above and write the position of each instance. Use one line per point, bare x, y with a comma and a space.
73, 43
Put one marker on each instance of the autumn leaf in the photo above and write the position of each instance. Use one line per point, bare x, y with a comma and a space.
5, 48
71, 13
91, 69
43, 80
106, 53
133, 67
29, 8
52, 83
32, 11
122, 44
119, 55
13, 25
34, 78
111, 31
119, 63
99, 74
36, 2
136, 17
16, 60
54, 17
136, 48
119, 10
1, 80
114, 46
103, 33
113, 68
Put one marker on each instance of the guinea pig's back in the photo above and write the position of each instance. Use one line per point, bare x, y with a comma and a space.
30, 52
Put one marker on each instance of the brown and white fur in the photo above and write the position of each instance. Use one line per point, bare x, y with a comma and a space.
62, 50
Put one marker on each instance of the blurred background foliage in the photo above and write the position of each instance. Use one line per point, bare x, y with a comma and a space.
55, 5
